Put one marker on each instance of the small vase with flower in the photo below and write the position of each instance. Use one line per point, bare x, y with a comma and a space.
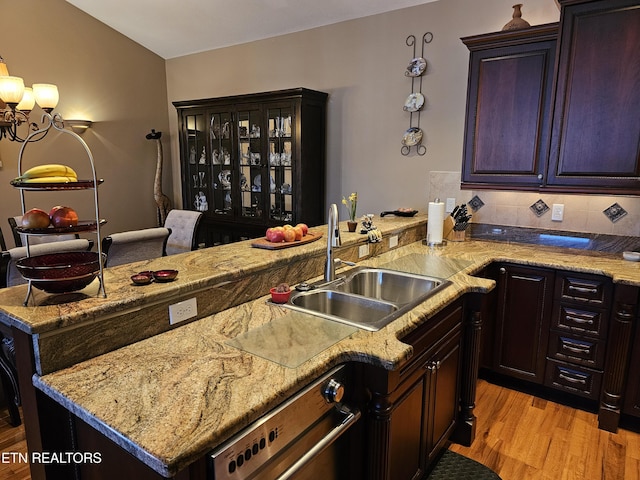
351, 203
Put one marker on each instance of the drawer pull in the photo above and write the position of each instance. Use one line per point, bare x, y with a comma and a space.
580, 320
575, 347
590, 290
568, 378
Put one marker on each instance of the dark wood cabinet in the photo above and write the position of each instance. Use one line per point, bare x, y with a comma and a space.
632, 391
249, 162
596, 127
508, 107
415, 410
557, 117
578, 333
524, 306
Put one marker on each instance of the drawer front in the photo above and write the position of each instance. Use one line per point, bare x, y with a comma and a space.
569, 318
588, 289
573, 379
579, 350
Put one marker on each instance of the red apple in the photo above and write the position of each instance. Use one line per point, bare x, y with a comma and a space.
277, 236
269, 234
63, 217
35, 218
304, 227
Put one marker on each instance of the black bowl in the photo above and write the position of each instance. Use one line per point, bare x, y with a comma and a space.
61, 272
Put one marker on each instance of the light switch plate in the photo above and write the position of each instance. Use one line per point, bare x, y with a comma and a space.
450, 205
557, 212
393, 241
363, 250
181, 311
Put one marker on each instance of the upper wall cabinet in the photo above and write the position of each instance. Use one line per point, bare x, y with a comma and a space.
595, 140
508, 105
575, 132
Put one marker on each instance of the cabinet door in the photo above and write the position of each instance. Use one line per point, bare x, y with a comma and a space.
596, 126
525, 300
218, 186
252, 176
282, 163
442, 397
632, 392
508, 105
196, 170
405, 435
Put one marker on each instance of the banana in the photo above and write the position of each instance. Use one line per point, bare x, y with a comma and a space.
49, 170
52, 179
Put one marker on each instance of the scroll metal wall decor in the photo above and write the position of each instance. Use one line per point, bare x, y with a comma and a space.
415, 101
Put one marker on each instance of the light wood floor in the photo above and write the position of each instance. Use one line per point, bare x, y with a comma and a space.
522, 437
518, 436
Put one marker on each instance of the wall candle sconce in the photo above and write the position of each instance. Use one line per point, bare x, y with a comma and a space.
78, 126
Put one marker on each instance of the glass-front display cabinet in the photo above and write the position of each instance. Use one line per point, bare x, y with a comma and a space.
253, 161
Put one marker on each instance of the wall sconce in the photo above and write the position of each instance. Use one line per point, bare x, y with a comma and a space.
17, 101
78, 126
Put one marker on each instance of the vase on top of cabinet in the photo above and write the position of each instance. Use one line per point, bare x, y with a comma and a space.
249, 162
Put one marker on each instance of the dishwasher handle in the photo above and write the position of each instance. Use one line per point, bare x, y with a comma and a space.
352, 415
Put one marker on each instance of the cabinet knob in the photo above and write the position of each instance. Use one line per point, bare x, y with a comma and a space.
540, 176
502, 270
333, 391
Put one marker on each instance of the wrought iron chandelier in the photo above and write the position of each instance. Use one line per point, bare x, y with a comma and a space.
17, 101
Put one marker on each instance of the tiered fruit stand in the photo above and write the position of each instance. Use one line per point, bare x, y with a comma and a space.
69, 276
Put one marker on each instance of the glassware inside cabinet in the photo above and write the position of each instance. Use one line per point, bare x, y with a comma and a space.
221, 163
251, 181
280, 164
197, 168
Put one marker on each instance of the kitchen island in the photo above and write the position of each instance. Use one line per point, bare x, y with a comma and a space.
171, 397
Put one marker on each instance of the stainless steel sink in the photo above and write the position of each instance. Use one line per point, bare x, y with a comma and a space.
343, 307
368, 298
389, 285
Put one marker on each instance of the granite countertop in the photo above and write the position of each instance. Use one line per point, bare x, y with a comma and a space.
199, 270
172, 397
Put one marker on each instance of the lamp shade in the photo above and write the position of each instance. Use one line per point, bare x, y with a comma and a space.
46, 95
28, 100
11, 89
4, 71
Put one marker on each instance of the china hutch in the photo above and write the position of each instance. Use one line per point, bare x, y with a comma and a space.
253, 161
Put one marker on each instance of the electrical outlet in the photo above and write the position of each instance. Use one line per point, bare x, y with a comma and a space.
393, 241
181, 311
450, 205
557, 212
363, 250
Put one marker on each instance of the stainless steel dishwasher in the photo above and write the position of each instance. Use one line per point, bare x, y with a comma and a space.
304, 438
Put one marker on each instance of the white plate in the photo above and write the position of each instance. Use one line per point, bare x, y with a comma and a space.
416, 67
414, 102
631, 256
412, 136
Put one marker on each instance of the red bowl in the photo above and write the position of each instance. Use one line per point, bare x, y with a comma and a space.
60, 272
165, 275
279, 297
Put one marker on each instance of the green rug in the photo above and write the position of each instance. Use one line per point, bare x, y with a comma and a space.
454, 466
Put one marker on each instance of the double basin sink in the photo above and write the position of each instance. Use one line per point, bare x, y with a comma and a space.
367, 298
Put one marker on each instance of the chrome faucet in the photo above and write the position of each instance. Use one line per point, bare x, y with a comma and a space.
333, 240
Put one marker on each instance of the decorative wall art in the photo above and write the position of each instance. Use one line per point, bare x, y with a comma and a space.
414, 103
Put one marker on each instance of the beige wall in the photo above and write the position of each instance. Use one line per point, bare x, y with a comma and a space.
101, 75
361, 65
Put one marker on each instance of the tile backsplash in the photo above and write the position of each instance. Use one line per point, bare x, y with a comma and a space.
582, 213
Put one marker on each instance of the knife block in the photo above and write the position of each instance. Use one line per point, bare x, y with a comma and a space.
453, 235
